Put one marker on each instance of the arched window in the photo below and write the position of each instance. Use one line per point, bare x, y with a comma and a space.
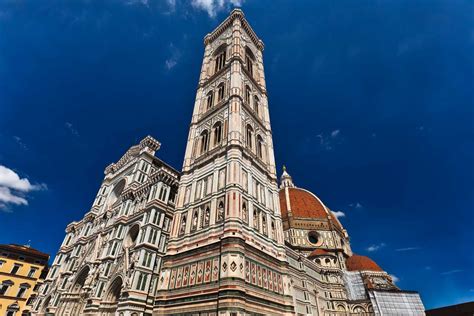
220, 58
204, 141
264, 223
210, 99
207, 216
182, 229
260, 147
220, 92
194, 223
248, 93
256, 105
217, 133
220, 211
249, 59
249, 136
244, 212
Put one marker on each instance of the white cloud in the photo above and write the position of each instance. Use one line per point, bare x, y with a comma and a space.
375, 247
212, 7
408, 249
20, 142
172, 61
451, 272
395, 279
329, 141
71, 128
338, 214
356, 205
13, 188
335, 133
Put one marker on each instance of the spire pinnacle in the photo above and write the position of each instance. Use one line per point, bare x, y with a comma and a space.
285, 180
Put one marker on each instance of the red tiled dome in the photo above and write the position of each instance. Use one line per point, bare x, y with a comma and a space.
304, 204
361, 263
319, 252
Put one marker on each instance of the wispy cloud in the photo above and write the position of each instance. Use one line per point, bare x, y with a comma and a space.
71, 128
328, 141
338, 214
375, 247
395, 279
20, 142
451, 272
13, 189
356, 205
175, 55
212, 7
408, 249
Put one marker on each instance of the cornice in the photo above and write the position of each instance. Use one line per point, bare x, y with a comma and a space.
235, 14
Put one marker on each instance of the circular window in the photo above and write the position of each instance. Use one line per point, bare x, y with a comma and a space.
313, 237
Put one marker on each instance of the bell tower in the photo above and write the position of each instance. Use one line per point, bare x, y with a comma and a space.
226, 253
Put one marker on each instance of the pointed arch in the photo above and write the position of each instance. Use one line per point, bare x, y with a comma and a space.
210, 100
80, 280
217, 133
249, 136
204, 141
114, 290
256, 105
248, 94
260, 147
220, 91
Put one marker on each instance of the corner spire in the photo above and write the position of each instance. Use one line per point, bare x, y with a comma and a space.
285, 180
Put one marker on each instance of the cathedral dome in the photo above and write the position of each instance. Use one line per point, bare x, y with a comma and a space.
304, 205
361, 263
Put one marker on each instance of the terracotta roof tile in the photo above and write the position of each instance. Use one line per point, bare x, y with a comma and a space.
361, 263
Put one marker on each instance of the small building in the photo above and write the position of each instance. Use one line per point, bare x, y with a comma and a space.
22, 271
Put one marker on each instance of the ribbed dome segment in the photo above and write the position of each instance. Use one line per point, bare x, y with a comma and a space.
304, 204
361, 263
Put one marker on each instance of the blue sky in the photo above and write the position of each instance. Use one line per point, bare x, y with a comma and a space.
371, 104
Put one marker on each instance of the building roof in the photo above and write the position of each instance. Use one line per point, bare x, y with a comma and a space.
25, 250
320, 252
361, 263
304, 205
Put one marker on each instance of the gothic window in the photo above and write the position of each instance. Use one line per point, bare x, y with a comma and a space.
260, 147
220, 211
210, 99
221, 178
220, 58
207, 217
272, 233
245, 213
217, 133
249, 58
248, 93
142, 280
182, 229
264, 223
220, 92
249, 136
245, 181
204, 141
197, 194
194, 223
255, 219
256, 105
